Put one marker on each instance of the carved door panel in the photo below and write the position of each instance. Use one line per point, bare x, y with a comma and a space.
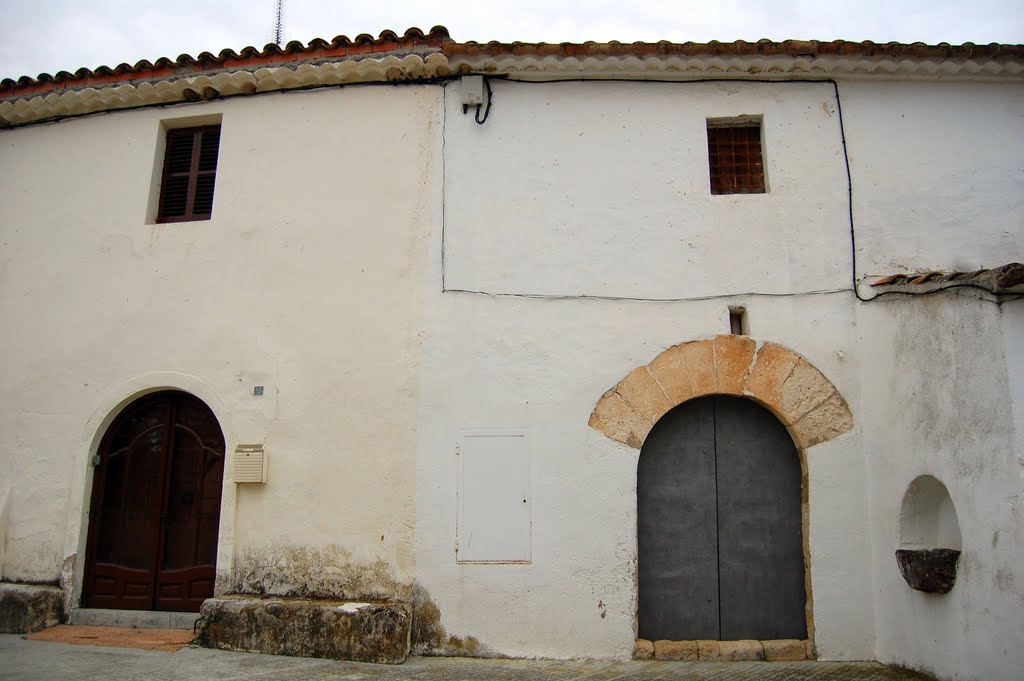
719, 525
156, 507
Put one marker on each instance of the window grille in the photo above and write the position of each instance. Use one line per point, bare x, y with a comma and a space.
734, 157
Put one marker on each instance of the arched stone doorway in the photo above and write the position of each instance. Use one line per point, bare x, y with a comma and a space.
789, 388
720, 547
155, 508
795, 391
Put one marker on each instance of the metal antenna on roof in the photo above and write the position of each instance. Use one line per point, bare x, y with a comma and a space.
279, 22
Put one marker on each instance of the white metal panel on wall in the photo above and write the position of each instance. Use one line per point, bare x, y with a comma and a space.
493, 497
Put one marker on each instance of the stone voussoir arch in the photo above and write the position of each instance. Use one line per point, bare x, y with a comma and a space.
806, 402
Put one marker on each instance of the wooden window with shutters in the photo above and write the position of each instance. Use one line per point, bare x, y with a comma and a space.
734, 155
190, 172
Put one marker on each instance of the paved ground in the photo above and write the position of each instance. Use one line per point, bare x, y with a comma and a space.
167, 640
35, 660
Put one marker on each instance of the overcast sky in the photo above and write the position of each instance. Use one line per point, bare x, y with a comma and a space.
53, 35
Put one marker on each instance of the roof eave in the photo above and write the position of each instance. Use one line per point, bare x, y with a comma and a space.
734, 67
417, 57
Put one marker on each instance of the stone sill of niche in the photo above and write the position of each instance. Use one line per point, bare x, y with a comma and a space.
928, 570
781, 650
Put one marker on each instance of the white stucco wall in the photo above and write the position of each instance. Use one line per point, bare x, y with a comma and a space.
307, 281
938, 396
1012, 317
938, 184
603, 189
542, 365
638, 196
937, 178
342, 215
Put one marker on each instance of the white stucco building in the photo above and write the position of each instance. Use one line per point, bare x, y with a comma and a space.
451, 310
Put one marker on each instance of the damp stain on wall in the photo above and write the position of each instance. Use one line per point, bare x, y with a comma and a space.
314, 572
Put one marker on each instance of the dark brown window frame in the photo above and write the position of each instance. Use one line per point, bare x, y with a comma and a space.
736, 156
200, 181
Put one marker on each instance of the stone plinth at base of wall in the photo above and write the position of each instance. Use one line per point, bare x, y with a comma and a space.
25, 608
338, 630
735, 651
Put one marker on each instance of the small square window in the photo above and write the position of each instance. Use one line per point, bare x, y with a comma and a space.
734, 156
190, 172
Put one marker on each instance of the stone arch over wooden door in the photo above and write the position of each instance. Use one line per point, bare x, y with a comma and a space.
777, 385
155, 508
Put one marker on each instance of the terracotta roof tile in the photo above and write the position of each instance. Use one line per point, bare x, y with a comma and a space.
416, 56
272, 54
785, 48
439, 40
1006, 279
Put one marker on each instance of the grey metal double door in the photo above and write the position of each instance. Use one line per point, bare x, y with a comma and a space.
719, 525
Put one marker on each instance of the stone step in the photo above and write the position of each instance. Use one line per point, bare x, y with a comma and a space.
25, 608
139, 619
338, 630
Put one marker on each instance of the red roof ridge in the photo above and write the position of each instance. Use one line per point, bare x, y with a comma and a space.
340, 46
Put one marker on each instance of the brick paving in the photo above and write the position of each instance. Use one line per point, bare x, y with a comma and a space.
36, 660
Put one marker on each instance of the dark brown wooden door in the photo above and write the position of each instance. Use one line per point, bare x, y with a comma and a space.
719, 525
156, 507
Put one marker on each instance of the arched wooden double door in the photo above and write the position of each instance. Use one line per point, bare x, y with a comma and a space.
156, 507
719, 525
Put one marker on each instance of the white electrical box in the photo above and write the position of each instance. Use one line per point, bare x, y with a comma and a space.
472, 90
493, 524
250, 464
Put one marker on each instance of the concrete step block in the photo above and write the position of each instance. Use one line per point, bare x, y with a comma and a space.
339, 630
25, 608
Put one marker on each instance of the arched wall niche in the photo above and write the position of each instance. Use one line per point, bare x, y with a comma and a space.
927, 517
929, 537
806, 402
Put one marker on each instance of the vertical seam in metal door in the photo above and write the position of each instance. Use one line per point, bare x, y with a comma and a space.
718, 534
